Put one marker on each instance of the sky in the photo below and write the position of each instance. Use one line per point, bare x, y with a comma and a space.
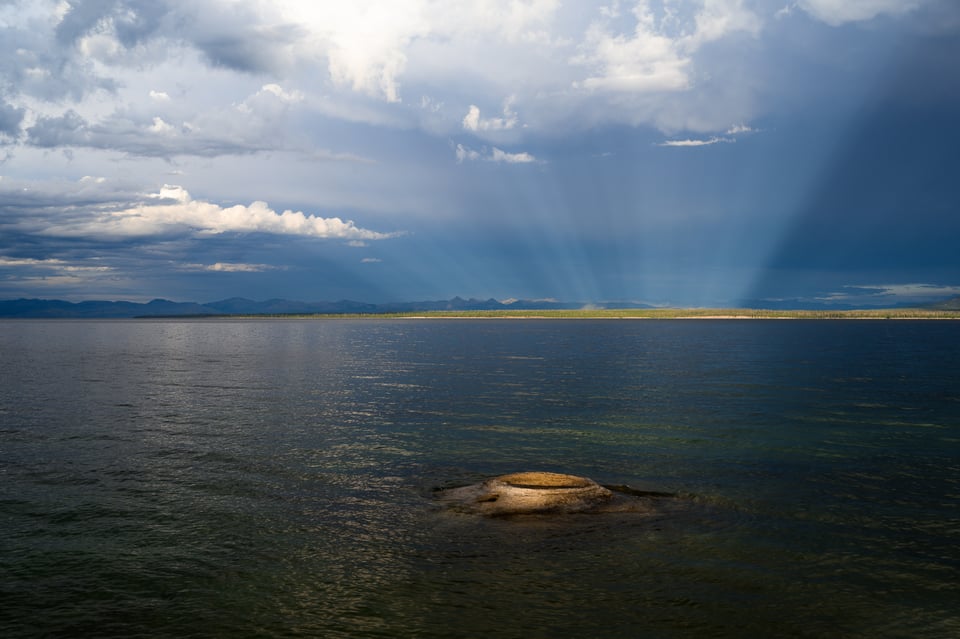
665, 152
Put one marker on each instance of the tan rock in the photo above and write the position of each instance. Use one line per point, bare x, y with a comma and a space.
531, 492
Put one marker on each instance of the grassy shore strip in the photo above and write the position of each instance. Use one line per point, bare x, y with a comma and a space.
658, 313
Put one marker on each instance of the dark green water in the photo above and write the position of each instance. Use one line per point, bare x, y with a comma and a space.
274, 478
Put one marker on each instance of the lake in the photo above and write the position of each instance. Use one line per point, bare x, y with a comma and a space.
275, 478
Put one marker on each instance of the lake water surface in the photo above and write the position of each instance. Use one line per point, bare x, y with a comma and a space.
241, 478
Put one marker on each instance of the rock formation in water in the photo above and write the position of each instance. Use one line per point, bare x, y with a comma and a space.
542, 492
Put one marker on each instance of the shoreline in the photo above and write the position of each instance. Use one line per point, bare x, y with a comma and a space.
718, 314
593, 314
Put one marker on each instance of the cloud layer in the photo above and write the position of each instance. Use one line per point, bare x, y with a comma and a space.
635, 63
601, 143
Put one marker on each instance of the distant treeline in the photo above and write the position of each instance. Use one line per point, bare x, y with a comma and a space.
660, 313
452, 308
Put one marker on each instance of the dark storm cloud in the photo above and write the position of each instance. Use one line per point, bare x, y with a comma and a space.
82, 17
889, 194
132, 21
30, 64
23, 198
242, 129
54, 65
128, 136
10, 119
246, 49
68, 129
238, 54
885, 209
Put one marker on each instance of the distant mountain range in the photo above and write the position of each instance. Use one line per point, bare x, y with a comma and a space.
36, 308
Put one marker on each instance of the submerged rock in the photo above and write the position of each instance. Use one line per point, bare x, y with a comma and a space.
542, 492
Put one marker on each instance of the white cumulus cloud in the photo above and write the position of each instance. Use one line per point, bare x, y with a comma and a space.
465, 153
366, 43
50, 263
658, 55
173, 212
737, 129
232, 267
493, 155
693, 142
497, 155
473, 122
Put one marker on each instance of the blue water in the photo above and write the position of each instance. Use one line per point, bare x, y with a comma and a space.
235, 478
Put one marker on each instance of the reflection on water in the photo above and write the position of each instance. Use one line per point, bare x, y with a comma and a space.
270, 478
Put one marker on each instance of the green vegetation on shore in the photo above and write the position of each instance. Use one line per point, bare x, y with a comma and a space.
646, 313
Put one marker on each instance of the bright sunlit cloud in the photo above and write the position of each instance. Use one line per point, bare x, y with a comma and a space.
473, 122
53, 264
232, 267
98, 209
172, 210
689, 142
493, 154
